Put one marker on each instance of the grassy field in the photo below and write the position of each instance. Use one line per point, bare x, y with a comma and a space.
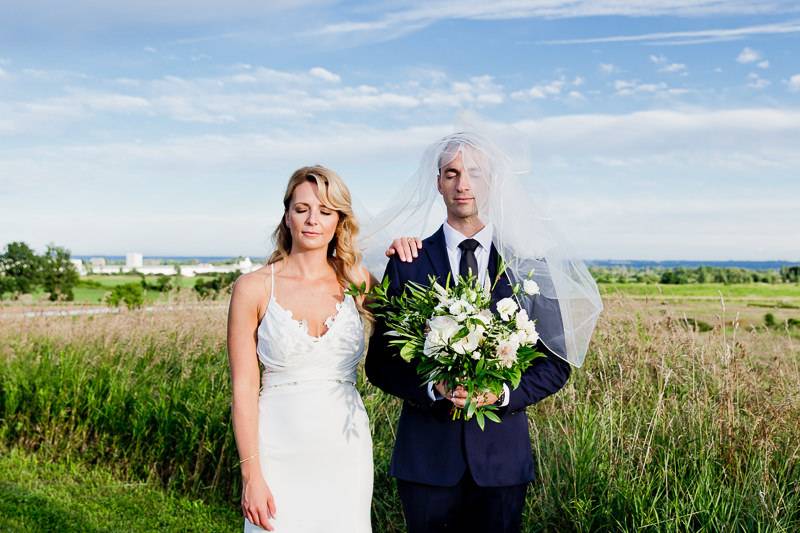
781, 291
96, 295
665, 428
65, 496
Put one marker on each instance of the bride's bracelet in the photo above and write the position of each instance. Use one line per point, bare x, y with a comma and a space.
247, 459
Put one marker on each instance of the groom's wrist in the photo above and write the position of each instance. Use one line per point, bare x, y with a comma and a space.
503, 399
433, 394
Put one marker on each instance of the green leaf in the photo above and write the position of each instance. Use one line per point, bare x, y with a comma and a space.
407, 351
470, 409
479, 419
492, 416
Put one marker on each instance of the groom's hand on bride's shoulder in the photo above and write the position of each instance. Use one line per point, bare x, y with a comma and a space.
406, 248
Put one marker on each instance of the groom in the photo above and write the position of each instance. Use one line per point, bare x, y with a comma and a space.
451, 475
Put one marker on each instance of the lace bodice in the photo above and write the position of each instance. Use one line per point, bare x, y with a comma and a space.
291, 355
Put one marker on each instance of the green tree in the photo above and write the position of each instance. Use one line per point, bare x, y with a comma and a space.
220, 284
59, 275
790, 274
130, 294
21, 269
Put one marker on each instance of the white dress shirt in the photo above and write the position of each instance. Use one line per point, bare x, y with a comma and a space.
452, 238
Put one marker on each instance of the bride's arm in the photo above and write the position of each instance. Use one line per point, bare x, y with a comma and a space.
258, 504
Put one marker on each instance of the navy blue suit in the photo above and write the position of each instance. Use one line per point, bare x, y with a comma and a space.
431, 449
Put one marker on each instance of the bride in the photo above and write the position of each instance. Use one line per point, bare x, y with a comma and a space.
302, 433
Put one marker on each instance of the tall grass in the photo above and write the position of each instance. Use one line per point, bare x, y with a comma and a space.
663, 429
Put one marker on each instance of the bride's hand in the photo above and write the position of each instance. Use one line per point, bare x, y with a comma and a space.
405, 248
258, 504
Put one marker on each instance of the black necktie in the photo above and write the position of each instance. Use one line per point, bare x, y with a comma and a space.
468, 262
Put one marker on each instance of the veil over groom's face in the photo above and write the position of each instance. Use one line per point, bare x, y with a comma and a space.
463, 181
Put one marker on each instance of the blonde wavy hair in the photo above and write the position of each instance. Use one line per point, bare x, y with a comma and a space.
343, 254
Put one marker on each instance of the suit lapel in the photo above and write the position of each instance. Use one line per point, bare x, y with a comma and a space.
436, 250
502, 289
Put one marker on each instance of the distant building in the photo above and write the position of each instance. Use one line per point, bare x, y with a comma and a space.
79, 266
244, 266
133, 260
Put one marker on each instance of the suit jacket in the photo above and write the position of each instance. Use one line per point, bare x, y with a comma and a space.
431, 448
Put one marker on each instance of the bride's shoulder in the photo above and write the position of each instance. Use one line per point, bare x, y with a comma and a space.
253, 285
364, 276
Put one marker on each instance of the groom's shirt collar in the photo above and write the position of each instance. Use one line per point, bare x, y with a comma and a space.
453, 237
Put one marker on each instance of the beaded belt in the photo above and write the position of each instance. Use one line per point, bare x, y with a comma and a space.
292, 383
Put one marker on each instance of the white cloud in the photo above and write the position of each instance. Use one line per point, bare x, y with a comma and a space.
244, 94
673, 67
757, 82
748, 55
422, 14
608, 68
551, 89
657, 59
794, 83
691, 37
324, 74
646, 159
763, 64
636, 87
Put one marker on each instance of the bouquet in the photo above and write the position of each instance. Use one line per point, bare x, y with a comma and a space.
452, 335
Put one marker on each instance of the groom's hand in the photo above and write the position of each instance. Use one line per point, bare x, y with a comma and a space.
487, 398
457, 396
406, 248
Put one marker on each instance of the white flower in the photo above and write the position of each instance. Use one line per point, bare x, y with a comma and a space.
444, 327
521, 319
526, 329
506, 308
433, 344
530, 287
469, 343
476, 355
461, 309
441, 293
484, 316
487, 287
507, 352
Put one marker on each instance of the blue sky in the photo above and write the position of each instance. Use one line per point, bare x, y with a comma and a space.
666, 129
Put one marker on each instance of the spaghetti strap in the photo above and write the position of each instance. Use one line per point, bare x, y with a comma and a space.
272, 280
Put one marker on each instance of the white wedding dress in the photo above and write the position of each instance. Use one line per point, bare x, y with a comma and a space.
314, 440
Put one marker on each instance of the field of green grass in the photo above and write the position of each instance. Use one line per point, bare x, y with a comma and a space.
65, 496
665, 428
96, 295
785, 291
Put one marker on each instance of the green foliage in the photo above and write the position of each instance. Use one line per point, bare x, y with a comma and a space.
702, 274
790, 274
428, 322
218, 285
769, 320
660, 430
163, 283
20, 268
69, 497
59, 275
130, 294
